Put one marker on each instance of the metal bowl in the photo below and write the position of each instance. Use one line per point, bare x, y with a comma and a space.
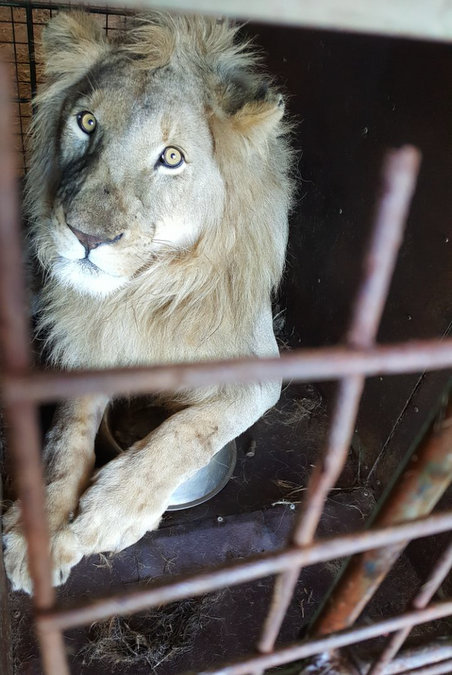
127, 422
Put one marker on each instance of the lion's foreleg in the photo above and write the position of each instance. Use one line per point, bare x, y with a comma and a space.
130, 493
69, 455
68, 461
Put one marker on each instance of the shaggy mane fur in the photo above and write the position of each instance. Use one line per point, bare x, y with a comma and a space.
180, 298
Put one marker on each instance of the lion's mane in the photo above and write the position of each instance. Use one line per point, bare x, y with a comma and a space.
187, 303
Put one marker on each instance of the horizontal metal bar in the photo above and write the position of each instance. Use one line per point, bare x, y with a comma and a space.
429, 19
437, 669
422, 655
240, 571
326, 363
333, 641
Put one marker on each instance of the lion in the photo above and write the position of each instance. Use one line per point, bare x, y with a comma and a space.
158, 193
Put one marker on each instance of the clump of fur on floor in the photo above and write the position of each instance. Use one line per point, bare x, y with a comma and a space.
148, 639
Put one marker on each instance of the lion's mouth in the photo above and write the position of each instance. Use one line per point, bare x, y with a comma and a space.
86, 277
83, 265
88, 266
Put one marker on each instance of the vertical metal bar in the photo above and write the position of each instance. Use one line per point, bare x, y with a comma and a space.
21, 418
14, 334
399, 175
6, 656
323, 478
440, 571
31, 50
13, 30
423, 482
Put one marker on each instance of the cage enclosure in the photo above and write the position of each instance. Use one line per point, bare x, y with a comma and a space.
351, 96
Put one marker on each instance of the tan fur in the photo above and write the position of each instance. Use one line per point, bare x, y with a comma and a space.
196, 256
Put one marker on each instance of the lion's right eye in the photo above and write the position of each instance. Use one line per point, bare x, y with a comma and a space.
172, 157
86, 121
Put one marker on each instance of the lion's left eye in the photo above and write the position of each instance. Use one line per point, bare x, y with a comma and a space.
86, 121
172, 158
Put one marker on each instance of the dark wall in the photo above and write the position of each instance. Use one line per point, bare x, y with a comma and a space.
353, 96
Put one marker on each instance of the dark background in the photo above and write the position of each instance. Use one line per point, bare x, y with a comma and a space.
354, 96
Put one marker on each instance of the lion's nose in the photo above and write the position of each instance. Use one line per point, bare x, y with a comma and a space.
91, 241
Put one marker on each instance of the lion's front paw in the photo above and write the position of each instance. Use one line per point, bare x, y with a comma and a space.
15, 551
16, 561
66, 553
119, 507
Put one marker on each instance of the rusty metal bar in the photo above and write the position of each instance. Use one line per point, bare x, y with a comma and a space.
428, 21
436, 669
314, 365
399, 174
421, 485
330, 642
322, 480
438, 651
421, 600
426, 654
14, 335
239, 571
21, 419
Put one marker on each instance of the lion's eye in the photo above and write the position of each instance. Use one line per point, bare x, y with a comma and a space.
86, 121
172, 157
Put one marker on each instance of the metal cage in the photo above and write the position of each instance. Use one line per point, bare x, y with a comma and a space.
405, 516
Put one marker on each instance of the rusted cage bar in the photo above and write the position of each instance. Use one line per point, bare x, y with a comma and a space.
398, 183
303, 365
437, 669
238, 572
420, 601
21, 418
423, 482
23, 389
330, 642
419, 657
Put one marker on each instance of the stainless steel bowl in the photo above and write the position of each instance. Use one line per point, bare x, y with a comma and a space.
207, 482
142, 418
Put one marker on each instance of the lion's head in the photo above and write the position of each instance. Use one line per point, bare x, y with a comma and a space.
158, 161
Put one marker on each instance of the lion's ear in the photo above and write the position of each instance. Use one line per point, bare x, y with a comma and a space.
248, 101
257, 120
72, 43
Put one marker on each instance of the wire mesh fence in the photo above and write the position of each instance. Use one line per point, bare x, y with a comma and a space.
21, 25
